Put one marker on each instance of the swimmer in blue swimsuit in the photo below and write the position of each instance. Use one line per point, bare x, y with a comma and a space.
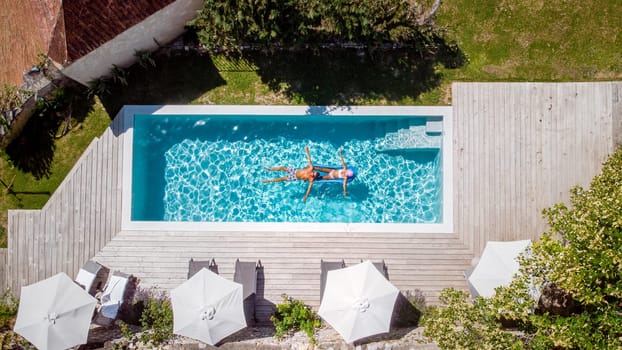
344, 173
293, 174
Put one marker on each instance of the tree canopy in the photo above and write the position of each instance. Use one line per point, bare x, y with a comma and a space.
230, 24
578, 266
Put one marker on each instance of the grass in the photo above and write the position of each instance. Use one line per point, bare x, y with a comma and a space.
536, 40
503, 40
29, 193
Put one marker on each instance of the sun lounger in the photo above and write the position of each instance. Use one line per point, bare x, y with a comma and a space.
92, 276
472, 290
382, 267
112, 298
246, 274
195, 265
326, 266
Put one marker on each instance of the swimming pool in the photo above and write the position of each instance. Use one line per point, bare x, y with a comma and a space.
203, 166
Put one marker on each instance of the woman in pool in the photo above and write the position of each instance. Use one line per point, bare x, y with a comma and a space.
332, 174
293, 174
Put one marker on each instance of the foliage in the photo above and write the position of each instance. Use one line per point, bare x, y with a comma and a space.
99, 87
119, 75
157, 321
585, 239
8, 309
578, 266
126, 332
28, 192
33, 150
460, 324
293, 315
43, 62
11, 340
145, 59
12, 97
228, 25
581, 255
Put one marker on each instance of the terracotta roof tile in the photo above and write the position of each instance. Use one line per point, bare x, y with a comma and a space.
91, 23
65, 30
25, 30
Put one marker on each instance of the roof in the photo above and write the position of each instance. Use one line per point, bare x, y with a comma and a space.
64, 30
25, 31
91, 23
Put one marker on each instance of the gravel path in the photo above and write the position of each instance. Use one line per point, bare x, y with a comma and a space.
262, 338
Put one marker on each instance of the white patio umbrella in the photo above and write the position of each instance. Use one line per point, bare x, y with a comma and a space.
55, 313
207, 307
358, 301
496, 267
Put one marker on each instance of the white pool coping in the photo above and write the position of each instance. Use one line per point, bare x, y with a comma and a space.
446, 112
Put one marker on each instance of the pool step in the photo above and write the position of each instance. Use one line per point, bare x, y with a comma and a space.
416, 136
434, 126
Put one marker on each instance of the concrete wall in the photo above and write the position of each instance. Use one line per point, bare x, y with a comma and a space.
163, 26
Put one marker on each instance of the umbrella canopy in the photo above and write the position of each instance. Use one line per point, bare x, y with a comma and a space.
358, 301
496, 267
55, 313
207, 307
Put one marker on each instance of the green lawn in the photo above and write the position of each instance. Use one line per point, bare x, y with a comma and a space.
29, 193
536, 40
503, 40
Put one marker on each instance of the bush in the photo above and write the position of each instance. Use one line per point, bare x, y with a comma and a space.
577, 264
460, 324
228, 25
8, 309
293, 315
156, 319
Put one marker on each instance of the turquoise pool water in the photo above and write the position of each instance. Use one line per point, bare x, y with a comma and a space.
200, 168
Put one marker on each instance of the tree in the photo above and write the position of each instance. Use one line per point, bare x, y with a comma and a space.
577, 263
229, 25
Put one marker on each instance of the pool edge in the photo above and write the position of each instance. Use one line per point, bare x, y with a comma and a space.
446, 112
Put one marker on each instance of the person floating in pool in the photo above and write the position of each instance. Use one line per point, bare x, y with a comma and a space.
332, 174
306, 174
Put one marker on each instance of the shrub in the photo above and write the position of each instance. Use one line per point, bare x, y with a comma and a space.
577, 264
228, 25
581, 255
157, 320
293, 315
145, 59
460, 324
8, 309
12, 97
99, 87
119, 75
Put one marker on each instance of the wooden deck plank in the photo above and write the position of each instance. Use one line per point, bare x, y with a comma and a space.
62, 229
616, 111
4, 278
47, 257
119, 130
95, 183
14, 255
107, 201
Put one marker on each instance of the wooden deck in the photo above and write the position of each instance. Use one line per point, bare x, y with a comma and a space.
518, 148
4, 283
